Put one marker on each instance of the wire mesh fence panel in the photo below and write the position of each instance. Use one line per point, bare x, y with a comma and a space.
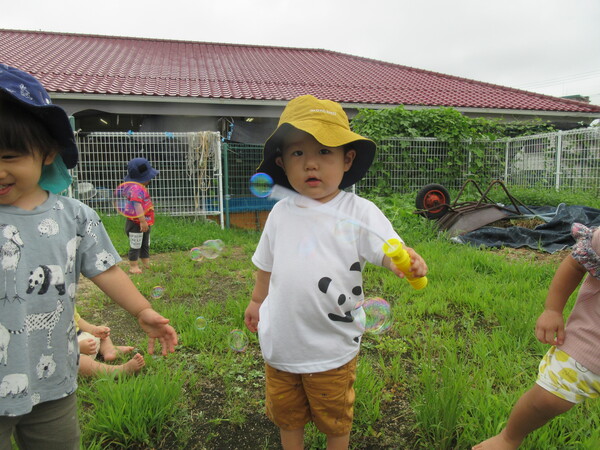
532, 161
242, 209
406, 164
487, 160
579, 163
190, 179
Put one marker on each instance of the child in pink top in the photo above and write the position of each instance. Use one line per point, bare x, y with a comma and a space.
570, 372
139, 211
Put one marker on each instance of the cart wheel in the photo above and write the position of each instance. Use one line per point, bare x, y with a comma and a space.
431, 196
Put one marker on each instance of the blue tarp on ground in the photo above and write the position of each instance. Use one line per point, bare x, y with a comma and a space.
551, 236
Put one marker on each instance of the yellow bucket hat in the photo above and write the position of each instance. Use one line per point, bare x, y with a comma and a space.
327, 122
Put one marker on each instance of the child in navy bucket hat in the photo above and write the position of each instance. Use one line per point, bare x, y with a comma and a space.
140, 171
46, 242
27, 92
137, 227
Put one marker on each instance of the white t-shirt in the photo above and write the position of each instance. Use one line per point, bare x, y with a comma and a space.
315, 256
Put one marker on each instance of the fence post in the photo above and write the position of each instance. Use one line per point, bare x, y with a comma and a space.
506, 161
558, 160
226, 182
469, 157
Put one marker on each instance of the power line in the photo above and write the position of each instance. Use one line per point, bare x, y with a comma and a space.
560, 80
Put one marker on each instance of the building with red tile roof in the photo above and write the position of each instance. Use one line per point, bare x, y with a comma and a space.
110, 82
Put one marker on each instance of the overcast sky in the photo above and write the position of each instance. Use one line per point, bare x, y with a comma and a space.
546, 46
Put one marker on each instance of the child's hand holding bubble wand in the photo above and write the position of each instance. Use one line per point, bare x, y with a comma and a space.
395, 251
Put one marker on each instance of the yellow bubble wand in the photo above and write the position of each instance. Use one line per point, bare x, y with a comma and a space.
395, 251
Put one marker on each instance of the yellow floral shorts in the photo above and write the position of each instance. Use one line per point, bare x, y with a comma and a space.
564, 377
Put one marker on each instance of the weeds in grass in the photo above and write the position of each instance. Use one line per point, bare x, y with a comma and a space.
128, 410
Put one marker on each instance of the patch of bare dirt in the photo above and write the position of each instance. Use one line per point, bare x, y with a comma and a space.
533, 256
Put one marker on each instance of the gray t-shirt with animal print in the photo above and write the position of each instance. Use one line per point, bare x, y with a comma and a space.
42, 253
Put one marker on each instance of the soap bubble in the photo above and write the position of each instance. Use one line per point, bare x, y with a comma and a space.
212, 248
196, 254
347, 230
261, 184
238, 341
157, 292
201, 322
125, 194
376, 316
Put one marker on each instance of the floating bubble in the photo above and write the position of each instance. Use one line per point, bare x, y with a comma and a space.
261, 184
157, 292
347, 230
374, 315
201, 322
238, 341
196, 254
128, 199
212, 248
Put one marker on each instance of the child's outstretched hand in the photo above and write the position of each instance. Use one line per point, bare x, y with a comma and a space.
101, 332
550, 328
157, 327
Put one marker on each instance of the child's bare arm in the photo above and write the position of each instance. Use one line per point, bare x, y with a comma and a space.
99, 331
139, 211
550, 326
118, 286
261, 289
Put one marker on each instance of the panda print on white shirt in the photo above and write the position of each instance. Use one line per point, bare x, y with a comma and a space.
346, 298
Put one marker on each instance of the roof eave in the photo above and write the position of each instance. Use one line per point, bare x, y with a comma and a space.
236, 102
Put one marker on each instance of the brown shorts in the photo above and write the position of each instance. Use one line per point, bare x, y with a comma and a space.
326, 398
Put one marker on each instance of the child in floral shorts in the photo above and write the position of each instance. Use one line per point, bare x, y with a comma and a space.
569, 373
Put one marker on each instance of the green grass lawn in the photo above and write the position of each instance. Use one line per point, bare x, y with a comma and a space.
445, 375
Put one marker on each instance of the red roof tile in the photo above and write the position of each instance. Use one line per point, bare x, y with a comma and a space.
151, 67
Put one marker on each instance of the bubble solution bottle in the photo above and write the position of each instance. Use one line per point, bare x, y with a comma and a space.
399, 256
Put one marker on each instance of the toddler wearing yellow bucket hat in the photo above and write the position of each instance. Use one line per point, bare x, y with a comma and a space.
327, 122
306, 305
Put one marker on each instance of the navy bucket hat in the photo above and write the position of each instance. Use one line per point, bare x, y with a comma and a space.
28, 92
140, 170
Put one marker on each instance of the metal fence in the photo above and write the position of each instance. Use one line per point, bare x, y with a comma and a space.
199, 178
561, 160
190, 182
